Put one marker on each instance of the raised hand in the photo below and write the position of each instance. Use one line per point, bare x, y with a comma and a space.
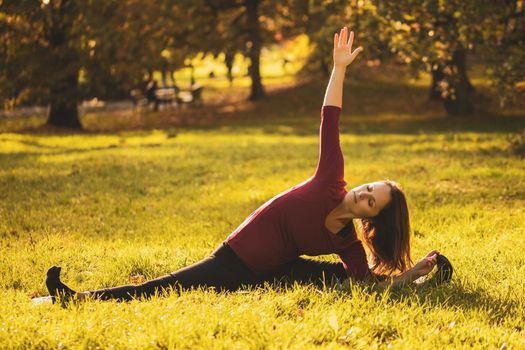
343, 54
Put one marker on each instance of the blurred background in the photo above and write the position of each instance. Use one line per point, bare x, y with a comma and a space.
63, 59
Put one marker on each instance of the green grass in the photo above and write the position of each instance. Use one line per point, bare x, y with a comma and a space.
110, 205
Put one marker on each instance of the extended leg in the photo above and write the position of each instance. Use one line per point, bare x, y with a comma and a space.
131, 291
220, 271
308, 271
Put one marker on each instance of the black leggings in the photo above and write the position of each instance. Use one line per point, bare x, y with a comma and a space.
225, 271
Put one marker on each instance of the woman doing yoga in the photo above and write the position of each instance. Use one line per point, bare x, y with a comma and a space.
312, 218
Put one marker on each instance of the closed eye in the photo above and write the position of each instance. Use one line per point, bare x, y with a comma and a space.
371, 201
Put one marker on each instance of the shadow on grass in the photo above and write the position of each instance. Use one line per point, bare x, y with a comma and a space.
456, 296
452, 296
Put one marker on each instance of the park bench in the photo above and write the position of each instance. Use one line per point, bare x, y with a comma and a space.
168, 96
193, 96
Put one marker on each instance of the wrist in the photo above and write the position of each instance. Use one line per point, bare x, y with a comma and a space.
412, 275
339, 67
406, 277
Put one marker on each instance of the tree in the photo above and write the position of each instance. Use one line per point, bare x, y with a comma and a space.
504, 47
433, 36
246, 26
41, 49
49, 46
133, 38
324, 18
436, 36
238, 29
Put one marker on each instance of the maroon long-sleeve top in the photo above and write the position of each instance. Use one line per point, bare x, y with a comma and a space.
293, 222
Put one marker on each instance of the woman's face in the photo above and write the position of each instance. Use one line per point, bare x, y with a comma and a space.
368, 200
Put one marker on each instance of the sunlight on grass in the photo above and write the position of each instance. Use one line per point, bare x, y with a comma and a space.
110, 206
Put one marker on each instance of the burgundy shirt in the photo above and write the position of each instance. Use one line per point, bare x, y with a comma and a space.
293, 222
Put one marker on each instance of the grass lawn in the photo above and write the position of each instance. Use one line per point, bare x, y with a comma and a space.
109, 205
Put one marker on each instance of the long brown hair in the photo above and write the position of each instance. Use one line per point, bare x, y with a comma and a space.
387, 235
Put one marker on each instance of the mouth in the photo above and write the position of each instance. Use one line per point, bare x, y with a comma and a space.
355, 197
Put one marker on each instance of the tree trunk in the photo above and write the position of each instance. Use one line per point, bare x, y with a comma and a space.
192, 78
164, 77
254, 30
172, 77
64, 100
228, 60
457, 101
64, 79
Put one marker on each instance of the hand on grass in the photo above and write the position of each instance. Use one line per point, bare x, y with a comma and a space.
425, 265
343, 54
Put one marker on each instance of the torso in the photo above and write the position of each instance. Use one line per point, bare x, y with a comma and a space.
302, 220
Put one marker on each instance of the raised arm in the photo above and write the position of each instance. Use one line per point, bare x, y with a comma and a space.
343, 56
330, 166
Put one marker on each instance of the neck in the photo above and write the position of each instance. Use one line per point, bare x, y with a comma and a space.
339, 217
343, 211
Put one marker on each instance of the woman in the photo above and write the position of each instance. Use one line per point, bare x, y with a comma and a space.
313, 218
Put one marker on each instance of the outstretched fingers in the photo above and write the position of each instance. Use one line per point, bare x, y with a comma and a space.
351, 41
356, 52
343, 41
341, 38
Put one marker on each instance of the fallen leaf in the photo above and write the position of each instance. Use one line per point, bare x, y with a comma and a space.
137, 279
33, 294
